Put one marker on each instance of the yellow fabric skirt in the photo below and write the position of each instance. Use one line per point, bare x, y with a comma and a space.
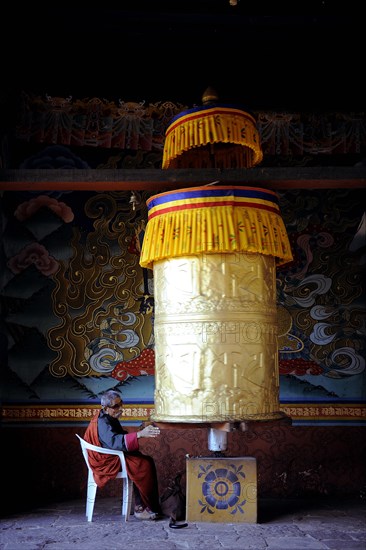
193, 130
214, 220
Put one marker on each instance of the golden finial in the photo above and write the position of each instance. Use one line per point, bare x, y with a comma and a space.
209, 96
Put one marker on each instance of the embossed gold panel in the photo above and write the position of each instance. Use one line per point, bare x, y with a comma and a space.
216, 338
222, 489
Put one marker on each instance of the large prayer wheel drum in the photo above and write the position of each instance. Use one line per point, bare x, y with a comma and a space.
214, 253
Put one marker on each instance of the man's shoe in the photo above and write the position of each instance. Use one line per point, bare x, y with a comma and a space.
141, 513
153, 515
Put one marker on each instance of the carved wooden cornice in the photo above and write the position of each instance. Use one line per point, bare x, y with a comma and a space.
334, 177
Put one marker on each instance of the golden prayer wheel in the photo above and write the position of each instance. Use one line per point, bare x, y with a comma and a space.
214, 251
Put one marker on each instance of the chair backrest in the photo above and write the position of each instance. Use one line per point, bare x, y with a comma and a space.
92, 485
85, 446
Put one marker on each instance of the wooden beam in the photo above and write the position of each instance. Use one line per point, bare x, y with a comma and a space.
334, 177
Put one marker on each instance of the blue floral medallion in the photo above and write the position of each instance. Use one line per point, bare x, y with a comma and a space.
221, 489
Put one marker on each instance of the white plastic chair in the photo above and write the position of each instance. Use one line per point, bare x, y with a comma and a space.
127, 485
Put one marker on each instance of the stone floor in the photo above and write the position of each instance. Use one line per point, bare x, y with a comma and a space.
332, 524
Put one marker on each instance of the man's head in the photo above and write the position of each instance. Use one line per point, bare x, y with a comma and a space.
112, 403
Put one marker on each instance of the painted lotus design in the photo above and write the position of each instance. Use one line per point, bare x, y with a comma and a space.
221, 489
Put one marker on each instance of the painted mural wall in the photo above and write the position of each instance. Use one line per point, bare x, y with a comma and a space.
77, 310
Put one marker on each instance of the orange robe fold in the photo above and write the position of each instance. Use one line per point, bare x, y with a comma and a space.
105, 467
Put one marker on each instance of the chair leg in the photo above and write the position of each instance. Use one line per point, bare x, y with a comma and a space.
90, 498
127, 488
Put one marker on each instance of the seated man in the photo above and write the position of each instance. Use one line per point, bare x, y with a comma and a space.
106, 431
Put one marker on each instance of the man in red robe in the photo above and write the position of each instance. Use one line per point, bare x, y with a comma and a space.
106, 431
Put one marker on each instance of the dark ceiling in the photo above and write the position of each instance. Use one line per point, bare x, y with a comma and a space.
159, 51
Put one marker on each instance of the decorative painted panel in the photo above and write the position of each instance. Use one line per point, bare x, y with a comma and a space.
222, 489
